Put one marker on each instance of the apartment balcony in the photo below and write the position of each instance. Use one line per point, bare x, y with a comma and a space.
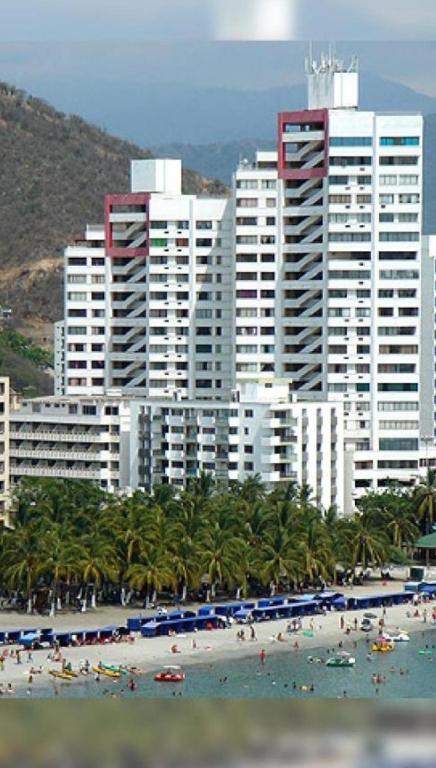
64, 455
175, 455
68, 437
58, 472
176, 472
175, 421
282, 421
302, 137
271, 441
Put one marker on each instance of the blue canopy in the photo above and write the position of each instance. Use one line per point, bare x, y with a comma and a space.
242, 613
330, 595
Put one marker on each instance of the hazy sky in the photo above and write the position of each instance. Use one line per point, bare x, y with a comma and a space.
164, 19
83, 42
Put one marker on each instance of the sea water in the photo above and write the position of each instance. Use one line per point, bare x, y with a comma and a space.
287, 674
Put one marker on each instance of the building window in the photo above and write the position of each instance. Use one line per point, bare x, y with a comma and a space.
398, 387
350, 141
399, 141
398, 444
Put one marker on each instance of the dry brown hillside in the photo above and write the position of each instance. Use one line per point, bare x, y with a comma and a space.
54, 172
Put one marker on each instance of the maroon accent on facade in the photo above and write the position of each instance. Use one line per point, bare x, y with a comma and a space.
302, 118
131, 199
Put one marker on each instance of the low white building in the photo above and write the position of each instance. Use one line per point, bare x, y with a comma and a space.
79, 438
136, 443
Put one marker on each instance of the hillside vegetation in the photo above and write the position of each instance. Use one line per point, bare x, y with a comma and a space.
25, 363
55, 170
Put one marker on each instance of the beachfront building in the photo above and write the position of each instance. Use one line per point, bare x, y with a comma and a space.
82, 438
148, 294
329, 269
4, 450
132, 443
312, 272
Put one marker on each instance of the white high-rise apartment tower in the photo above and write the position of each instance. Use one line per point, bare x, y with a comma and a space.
148, 297
328, 268
311, 273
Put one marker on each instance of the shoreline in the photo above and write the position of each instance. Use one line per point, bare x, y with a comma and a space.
151, 654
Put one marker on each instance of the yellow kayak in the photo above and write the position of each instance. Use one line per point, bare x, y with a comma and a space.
61, 675
108, 672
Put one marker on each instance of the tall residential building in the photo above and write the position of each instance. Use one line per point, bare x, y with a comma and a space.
148, 297
313, 273
328, 268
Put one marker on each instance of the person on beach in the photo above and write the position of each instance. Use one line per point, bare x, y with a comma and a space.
253, 635
175, 648
262, 656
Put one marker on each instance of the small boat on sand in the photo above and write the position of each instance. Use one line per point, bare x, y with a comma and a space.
170, 674
101, 670
114, 668
59, 675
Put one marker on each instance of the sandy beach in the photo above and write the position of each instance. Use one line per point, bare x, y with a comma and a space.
216, 645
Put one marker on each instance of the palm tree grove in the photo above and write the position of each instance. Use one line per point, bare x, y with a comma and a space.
72, 544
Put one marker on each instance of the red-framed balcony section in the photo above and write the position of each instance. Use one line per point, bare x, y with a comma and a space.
304, 117
133, 199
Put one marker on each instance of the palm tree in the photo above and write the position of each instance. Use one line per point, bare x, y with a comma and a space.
98, 561
402, 525
185, 555
202, 486
61, 560
221, 557
315, 549
369, 542
252, 490
278, 560
425, 500
21, 557
152, 572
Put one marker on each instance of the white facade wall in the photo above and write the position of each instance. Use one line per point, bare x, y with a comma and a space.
132, 443
59, 358
86, 305
78, 438
346, 295
374, 294
4, 449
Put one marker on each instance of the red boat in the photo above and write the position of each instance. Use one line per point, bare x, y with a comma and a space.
170, 674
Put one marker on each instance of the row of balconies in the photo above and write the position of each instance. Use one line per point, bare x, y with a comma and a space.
65, 455
53, 435
17, 470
